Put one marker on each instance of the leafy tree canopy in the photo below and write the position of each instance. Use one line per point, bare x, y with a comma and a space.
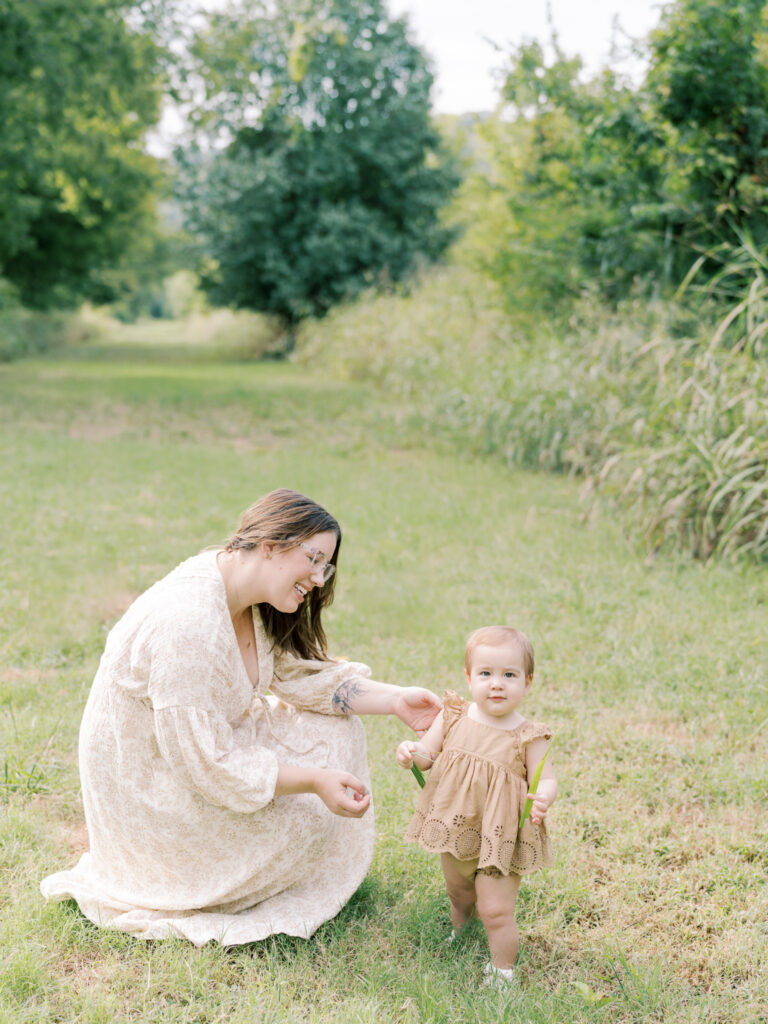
709, 82
322, 173
609, 185
78, 89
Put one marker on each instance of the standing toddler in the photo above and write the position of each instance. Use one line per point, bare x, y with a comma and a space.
482, 757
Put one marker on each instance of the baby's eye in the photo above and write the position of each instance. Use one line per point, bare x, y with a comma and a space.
483, 672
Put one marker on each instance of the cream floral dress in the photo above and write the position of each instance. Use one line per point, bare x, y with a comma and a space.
179, 755
473, 800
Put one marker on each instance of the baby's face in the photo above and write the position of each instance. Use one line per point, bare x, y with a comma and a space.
497, 678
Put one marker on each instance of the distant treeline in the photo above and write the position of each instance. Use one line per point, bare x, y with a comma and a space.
312, 168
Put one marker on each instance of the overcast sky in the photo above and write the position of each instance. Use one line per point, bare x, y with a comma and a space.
459, 36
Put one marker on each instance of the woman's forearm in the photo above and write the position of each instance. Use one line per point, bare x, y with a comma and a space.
292, 779
365, 697
414, 706
342, 793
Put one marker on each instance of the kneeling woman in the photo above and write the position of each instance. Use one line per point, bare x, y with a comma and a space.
216, 809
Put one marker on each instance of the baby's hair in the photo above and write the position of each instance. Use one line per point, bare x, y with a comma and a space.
495, 636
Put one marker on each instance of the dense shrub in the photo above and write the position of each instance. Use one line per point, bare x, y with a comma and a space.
26, 333
672, 429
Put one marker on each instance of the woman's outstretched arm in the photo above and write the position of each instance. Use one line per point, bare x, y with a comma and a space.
413, 705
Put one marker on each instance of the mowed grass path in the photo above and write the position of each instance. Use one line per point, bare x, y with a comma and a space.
653, 677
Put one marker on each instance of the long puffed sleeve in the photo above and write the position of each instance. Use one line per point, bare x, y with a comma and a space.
202, 751
181, 662
310, 685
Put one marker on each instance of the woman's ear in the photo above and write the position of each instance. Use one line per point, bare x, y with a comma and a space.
266, 549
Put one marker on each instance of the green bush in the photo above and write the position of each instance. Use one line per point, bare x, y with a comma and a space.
673, 429
25, 332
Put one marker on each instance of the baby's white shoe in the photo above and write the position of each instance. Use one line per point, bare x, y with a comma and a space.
501, 978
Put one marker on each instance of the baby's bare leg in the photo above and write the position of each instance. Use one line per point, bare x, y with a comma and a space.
496, 899
460, 891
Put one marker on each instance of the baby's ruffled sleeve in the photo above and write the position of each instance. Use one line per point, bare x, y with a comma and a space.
311, 685
534, 731
454, 706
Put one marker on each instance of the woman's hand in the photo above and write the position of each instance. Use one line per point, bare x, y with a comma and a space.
416, 707
342, 793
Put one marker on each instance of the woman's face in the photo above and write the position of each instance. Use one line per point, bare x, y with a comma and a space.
289, 575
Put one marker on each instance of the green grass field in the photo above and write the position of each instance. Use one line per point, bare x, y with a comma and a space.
653, 677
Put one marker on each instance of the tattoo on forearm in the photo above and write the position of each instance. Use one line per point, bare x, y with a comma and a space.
342, 699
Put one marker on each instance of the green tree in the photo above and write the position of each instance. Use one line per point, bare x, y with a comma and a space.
708, 81
614, 186
574, 181
324, 174
78, 89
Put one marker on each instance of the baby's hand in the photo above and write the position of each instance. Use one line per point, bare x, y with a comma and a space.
405, 753
539, 807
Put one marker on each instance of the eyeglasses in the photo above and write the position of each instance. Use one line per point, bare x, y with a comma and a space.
316, 558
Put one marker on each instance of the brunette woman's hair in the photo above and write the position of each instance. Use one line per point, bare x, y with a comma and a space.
285, 518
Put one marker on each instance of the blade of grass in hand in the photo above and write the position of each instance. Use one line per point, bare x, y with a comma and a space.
534, 786
419, 776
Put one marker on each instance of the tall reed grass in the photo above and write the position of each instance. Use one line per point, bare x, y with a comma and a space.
735, 274
644, 403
